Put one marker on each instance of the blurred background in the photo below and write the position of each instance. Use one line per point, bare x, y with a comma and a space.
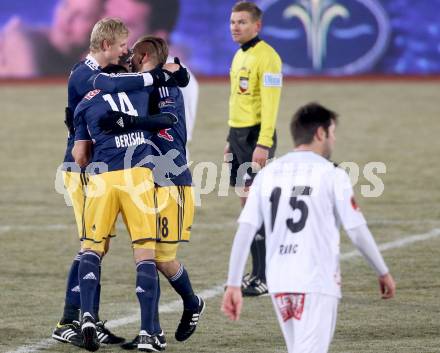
336, 37
394, 121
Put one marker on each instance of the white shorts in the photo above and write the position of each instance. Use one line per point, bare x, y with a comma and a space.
307, 321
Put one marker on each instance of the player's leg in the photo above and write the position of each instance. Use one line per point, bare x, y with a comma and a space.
146, 291
89, 275
242, 144
178, 278
193, 305
97, 299
286, 323
139, 214
256, 284
176, 206
105, 336
67, 329
100, 213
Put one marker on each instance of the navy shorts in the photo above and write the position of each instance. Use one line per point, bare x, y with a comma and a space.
242, 143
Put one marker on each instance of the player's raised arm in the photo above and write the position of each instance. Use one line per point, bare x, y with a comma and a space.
178, 72
115, 122
169, 76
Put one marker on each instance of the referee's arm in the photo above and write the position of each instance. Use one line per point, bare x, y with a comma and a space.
270, 89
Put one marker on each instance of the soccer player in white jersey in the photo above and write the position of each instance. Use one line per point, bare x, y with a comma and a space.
302, 198
190, 97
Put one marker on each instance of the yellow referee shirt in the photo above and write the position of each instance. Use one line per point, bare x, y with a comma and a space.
256, 82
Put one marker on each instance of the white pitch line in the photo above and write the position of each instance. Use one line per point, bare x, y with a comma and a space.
43, 344
217, 226
397, 243
216, 290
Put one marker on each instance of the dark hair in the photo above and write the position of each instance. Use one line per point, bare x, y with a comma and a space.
306, 121
164, 14
154, 46
250, 7
114, 69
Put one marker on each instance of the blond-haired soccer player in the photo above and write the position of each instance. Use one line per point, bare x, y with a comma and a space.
256, 82
302, 198
108, 42
174, 193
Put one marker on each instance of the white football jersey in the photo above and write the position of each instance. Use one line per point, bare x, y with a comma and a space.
302, 198
190, 99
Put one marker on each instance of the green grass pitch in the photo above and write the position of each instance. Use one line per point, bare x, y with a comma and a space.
396, 123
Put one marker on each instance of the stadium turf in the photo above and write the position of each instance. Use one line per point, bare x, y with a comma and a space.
391, 122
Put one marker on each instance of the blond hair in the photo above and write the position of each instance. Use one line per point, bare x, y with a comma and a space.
153, 46
107, 29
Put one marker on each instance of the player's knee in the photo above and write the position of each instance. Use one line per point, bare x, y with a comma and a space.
168, 268
85, 250
106, 246
141, 254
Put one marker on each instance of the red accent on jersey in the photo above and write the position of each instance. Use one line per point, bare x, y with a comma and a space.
91, 94
290, 305
354, 204
165, 135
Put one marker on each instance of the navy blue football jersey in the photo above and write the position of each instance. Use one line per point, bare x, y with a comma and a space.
77, 88
82, 80
116, 150
170, 144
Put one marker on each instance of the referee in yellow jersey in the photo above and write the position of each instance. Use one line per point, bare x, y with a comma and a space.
256, 82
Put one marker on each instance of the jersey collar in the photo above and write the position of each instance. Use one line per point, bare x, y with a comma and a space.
250, 43
92, 60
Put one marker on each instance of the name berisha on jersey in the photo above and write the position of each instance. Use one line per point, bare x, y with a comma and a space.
131, 139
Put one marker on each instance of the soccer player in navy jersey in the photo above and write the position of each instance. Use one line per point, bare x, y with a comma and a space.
174, 193
175, 200
108, 43
120, 181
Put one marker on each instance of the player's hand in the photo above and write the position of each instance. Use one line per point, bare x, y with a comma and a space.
260, 156
180, 75
171, 67
116, 122
232, 303
68, 121
162, 77
387, 286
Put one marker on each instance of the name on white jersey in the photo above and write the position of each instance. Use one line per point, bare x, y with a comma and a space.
286, 249
131, 139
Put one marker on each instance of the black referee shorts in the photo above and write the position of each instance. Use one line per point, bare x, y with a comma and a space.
242, 142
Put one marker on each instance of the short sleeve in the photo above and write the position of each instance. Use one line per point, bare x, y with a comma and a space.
81, 130
252, 212
348, 212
